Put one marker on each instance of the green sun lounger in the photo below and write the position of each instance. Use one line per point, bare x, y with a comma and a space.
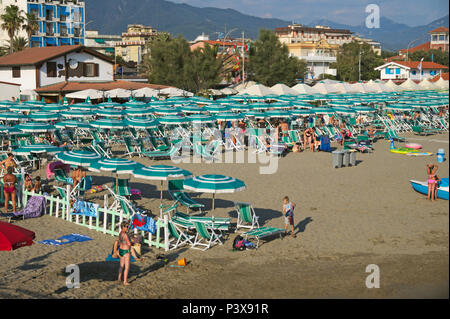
179, 236
206, 236
180, 196
246, 216
263, 232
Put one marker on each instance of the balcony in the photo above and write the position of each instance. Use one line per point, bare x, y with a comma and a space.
318, 58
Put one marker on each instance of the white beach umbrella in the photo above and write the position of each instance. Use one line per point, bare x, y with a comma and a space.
147, 92
257, 90
303, 88
283, 89
171, 91
91, 93
118, 93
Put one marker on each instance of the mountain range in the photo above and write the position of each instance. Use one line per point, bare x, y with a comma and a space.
113, 16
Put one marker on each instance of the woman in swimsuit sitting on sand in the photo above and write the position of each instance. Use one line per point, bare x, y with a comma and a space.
9, 188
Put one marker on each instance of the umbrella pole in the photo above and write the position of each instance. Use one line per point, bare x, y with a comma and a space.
214, 195
117, 183
161, 191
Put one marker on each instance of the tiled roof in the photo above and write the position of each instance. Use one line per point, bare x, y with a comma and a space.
440, 29
444, 76
102, 86
37, 55
421, 47
425, 64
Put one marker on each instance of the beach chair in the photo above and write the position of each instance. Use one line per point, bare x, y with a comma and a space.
180, 237
100, 149
173, 151
200, 150
84, 185
246, 216
61, 176
130, 149
122, 204
186, 221
178, 194
123, 187
393, 134
206, 237
262, 232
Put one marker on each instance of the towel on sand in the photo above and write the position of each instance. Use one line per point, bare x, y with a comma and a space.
67, 239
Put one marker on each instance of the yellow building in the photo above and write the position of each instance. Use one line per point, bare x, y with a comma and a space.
132, 46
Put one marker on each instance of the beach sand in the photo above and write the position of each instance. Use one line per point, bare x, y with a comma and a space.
345, 219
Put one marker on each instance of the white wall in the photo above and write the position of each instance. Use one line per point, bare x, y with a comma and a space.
7, 91
105, 69
27, 78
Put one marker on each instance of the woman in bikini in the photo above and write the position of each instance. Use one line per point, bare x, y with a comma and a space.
308, 137
432, 182
9, 188
8, 162
124, 253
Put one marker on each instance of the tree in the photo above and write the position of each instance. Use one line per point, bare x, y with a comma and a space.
12, 21
387, 54
347, 63
170, 61
437, 56
270, 63
31, 25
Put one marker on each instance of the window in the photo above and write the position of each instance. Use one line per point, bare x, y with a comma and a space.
397, 71
16, 72
442, 38
90, 69
51, 70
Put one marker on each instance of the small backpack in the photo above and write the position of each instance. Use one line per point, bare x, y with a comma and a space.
238, 243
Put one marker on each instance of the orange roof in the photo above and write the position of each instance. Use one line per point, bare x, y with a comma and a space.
37, 55
421, 47
444, 76
425, 64
440, 29
67, 87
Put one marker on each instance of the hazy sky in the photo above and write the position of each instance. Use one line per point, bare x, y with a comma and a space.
352, 12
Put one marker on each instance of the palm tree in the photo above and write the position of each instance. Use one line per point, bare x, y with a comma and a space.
31, 25
12, 22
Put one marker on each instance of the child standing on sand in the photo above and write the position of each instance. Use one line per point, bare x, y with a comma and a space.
288, 212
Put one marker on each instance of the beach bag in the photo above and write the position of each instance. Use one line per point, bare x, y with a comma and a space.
325, 144
249, 245
238, 243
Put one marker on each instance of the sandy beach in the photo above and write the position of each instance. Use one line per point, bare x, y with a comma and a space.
346, 219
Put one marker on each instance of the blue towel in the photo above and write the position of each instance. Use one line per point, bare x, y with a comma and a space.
110, 258
67, 239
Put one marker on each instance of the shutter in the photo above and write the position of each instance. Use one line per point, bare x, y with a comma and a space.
96, 69
83, 68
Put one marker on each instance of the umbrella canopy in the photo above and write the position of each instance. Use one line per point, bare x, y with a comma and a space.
166, 110
118, 93
145, 92
214, 184
228, 116
43, 116
115, 165
13, 236
82, 106
173, 120
302, 88
108, 124
78, 158
76, 113
24, 108
37, 149
82, 95
283, 89
171, 91
201, 118
109, 113
73, 124
12, 116
191, 108
141, 123
257, 90
277, 114
236, 107
216, 108
54, 108
35, 127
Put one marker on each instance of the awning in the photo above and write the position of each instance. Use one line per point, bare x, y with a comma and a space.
100, 41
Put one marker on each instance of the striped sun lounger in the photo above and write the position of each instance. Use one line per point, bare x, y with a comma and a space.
263, 232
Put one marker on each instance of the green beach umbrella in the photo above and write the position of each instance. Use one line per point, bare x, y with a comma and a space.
161, 173
76, 113
35, 127
12, 116
216, 108
54, 108
229, 116
109, 124
38, 149
43, 116
277, 114
78, 158
260, 106
238, 107
200, 118
166, 110
215, 184
173, 120
24, 108
73, 124
300, 112
191, 108
141, 123
141, 111
82, 106
109, 113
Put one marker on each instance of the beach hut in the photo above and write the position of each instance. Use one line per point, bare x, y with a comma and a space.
303, 88
283, 89
257, 90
